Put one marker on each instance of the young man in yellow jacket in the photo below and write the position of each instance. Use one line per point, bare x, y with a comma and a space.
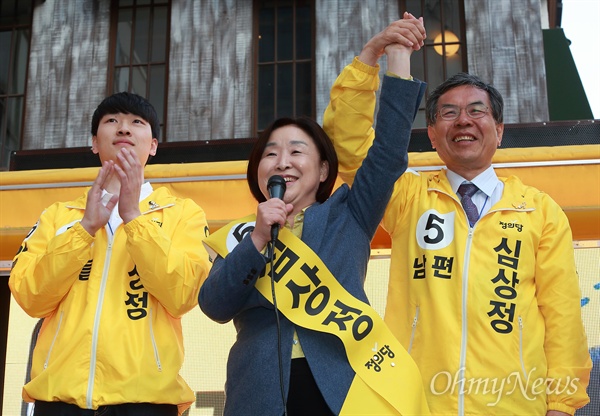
111, 274
488, 306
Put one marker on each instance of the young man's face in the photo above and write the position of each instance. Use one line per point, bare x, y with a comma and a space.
116, 131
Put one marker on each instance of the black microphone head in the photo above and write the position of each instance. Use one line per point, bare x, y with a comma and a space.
276, 187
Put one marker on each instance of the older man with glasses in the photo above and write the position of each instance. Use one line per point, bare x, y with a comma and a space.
483, 289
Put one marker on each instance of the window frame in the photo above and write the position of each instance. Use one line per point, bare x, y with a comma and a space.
115, 9
13, 26
256, 7
429, 45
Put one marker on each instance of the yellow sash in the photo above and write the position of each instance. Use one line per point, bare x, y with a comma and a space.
387, 380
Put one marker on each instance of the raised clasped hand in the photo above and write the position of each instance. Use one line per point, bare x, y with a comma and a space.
130, 172
406, 34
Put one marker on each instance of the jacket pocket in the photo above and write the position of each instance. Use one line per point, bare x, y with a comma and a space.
521, 359
60, 318
154, 346
413, 329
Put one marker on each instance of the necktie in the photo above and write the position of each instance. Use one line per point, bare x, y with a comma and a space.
466, 191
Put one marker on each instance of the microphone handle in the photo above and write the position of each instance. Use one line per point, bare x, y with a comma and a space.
274, 232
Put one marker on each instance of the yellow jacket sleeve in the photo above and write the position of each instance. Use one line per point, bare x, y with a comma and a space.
172, 268
558, 297
48, 263
349, 117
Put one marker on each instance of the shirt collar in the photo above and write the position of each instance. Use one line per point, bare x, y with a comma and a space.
298, 218
145, 191
486, 181
115, 219
298, 223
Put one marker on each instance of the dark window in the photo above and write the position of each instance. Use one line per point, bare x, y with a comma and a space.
15, 34
139, 51
284, 43
445, 51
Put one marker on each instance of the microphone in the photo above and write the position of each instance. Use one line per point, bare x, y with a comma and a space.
276, 188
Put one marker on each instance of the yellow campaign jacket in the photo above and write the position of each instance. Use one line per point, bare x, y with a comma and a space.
491, 315
112, 307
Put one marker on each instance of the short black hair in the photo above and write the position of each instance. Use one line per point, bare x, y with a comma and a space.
319, 137
458, 80
127, 103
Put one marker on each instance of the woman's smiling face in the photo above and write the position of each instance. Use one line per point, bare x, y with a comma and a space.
293, 155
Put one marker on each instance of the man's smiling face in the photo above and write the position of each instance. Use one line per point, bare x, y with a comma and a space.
466, 145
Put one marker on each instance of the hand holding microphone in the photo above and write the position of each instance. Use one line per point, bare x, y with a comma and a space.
270, 213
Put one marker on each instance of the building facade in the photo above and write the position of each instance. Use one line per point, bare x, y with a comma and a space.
222, 69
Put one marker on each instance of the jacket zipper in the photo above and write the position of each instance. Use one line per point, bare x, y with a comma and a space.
463, 348
92, 372
154, 346
156, 355
54, 340
414, 329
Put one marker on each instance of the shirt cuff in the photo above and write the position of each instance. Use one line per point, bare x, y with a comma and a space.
391, 74
358, 64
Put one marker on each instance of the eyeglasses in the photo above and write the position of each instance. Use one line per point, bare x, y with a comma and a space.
452, 112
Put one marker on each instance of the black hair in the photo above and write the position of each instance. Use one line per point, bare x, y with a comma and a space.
319, 137
127, 103
458, 80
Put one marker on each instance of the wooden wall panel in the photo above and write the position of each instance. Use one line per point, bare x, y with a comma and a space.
243, 80
343, 27
210, 77
328, 62
189, 43
211, 84
531, 68
67, 72
505, 48
223, 83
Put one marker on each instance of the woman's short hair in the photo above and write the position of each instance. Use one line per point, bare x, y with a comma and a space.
319, 137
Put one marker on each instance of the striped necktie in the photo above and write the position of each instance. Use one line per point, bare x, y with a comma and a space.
466, 191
